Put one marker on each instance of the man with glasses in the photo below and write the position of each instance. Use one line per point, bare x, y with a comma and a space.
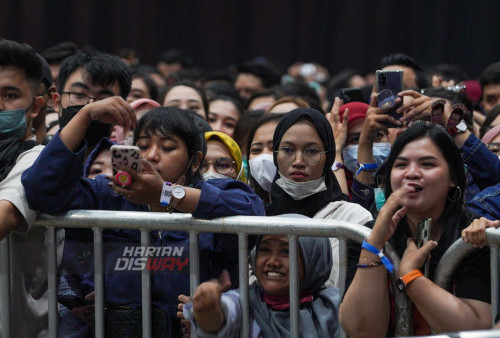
93, 81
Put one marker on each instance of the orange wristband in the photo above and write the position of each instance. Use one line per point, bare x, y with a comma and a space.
403, 282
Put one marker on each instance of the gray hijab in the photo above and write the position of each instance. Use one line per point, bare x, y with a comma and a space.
318, 318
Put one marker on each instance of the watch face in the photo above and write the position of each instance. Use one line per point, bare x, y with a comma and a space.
178, 192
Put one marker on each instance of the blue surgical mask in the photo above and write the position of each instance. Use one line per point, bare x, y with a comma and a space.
12, 123
380, 150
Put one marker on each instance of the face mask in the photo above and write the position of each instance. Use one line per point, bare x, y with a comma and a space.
263, 170
301, 190
380, 151
12, 123
210, 175
95, 132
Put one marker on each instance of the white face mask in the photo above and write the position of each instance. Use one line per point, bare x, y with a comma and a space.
263, 170
380, 153
301, 190
210, 175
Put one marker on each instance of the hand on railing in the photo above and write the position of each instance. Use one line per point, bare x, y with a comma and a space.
475, 233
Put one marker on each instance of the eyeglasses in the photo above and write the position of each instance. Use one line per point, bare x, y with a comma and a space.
494, 147
312, 156
82, 99
222, 165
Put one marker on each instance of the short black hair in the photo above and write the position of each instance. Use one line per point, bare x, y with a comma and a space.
265, 71
22, 56
102, 69
235, 101
490, 75
59, 52
149, 83
448, 72
400, 59
490, 117
171, 56
189, 84
163, 121
303, 91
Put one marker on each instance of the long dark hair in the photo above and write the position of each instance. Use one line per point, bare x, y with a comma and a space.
443, 141
164, 121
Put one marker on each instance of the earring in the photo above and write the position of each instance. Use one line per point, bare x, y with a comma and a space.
457, 194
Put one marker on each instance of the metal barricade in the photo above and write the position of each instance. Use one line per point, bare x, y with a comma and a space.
240, 225
454, 256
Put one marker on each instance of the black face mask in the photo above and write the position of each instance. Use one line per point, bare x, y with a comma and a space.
95, 132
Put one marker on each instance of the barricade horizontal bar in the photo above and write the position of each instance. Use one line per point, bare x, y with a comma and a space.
185, 222
493, 236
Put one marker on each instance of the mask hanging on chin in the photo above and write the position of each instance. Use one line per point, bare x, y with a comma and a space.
13, 124
301, 190
95, 132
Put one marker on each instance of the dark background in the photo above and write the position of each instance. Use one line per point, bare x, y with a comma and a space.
337, 34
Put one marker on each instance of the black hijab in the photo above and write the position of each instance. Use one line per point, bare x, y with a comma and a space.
282, 202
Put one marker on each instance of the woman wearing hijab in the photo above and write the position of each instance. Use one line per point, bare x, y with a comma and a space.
223, 159
304, 152
212, 313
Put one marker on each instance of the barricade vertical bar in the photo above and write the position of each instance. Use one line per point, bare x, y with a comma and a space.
243, 267
99, 283
194, 262
5, 286
343, 261
294, 286
146, 290
52, 279
194, 265
494, 281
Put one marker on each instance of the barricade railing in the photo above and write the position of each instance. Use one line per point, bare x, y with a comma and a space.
457, 252
242, 226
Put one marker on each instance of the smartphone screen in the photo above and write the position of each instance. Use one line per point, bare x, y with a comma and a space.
388, 84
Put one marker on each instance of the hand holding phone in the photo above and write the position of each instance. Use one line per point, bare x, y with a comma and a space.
388, 84
423, 234
128, 157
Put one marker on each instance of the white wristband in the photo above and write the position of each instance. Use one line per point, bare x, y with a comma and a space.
166, 194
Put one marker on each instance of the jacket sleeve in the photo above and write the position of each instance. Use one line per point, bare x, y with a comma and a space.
53, 183
226, 197
483, 165
487, 203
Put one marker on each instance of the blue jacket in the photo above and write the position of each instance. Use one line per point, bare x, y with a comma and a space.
487, 203
54, 185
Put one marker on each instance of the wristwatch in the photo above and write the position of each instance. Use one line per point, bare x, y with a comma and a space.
178, 193
403, 282
171, 195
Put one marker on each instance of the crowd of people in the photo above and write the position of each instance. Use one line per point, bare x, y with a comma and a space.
420, 172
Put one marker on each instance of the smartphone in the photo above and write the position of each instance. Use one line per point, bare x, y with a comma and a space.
125, 156
388, 83
423, 233
351, 95
72, 301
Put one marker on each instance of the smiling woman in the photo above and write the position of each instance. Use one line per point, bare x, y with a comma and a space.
269, 298
423, 178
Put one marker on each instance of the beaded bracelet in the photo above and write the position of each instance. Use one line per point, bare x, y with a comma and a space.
369, 265
370, 248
